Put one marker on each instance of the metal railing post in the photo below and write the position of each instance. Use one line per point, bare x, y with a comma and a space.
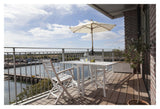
103, 54
87, 53
63, 54
63, 57
14, 67
112, 55
19, 59
8, 80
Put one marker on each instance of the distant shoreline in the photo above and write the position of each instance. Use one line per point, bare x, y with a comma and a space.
20, 65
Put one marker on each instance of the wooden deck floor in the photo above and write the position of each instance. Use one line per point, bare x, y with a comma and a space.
120, 88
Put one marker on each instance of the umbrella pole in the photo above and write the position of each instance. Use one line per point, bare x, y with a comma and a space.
92, 39
92, 43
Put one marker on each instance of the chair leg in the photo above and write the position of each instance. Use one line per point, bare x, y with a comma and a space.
104, 79
73, 85
61, 94
96, 78
48, 95
91, 73
78, 79
65, 90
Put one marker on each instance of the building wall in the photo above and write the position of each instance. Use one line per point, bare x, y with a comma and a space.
131, 30
152, 22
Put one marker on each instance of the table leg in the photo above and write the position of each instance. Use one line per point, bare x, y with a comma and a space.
78, 79
104, 79
91, 73
82, 76
96, 77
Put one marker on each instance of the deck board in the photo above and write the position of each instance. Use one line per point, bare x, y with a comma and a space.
143, 94
110, 85
114, 93
123, 92
135, 87
120, 87
130, 92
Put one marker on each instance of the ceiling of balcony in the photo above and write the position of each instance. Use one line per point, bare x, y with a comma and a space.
113, 10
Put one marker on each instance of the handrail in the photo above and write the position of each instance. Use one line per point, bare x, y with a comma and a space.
27, 59
58, 48
42, 48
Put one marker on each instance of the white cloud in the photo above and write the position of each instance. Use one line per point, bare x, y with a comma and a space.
31, 10
20, 15
83, 22
17, 38
115, 43
101, 36
53, 31
121, 32
82, 6
38, 35
23, 39
63, 8
15, 11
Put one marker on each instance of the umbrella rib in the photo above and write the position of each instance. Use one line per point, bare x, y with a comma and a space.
80, 28
102, 26
95, 27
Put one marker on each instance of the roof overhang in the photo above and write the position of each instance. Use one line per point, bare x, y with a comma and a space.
113, 10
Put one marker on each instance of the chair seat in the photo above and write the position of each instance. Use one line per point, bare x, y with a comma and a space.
62, 77
60, 81
100, 69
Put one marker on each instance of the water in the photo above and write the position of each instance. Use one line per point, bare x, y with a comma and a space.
29, 70
12, 90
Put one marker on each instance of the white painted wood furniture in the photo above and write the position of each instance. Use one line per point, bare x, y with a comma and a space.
97, 58
81, 65
122, 67
60, 80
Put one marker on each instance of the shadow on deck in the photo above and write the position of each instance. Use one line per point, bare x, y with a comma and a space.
121, 87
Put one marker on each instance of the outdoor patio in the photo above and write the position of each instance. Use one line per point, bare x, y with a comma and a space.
135, 26
121, 88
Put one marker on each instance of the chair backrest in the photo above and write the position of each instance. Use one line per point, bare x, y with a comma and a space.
97, 58
48, 66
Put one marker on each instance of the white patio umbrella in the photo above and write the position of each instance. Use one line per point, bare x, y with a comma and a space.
92, 27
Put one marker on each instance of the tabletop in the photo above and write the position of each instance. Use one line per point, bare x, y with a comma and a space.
89, 63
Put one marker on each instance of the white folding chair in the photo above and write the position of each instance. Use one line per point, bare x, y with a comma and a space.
98, 71
97, 58
94, 70
60, 81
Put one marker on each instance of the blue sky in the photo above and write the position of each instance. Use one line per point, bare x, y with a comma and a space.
41, 25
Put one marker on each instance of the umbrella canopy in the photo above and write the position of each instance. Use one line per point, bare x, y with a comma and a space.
92, 27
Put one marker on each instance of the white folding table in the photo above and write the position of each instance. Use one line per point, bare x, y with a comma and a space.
81, 64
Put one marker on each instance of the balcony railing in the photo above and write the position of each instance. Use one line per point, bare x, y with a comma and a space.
25, 78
